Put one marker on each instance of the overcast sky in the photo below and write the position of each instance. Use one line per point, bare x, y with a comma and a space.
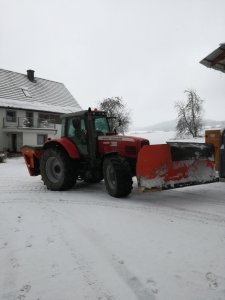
146, 51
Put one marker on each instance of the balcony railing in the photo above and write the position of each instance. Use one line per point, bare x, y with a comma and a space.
23, 122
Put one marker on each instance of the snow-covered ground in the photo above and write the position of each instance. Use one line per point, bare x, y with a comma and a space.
83, 244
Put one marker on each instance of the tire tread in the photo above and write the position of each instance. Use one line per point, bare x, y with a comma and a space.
69, 178
123, 175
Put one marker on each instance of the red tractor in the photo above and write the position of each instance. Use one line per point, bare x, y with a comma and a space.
89, 150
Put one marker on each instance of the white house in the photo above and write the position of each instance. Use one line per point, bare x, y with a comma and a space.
30, 109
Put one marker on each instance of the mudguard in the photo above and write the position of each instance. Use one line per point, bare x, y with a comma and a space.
65, 143
32, 154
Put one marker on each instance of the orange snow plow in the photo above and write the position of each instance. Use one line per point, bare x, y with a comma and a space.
175, 164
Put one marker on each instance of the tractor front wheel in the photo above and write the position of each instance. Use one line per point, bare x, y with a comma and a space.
117, 176
57, 170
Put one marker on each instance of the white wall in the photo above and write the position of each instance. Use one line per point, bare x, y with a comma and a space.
29, 138
24, 137
3, 137
6, 137
58, 134
2, 112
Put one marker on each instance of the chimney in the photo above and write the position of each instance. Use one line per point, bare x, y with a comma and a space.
30, 75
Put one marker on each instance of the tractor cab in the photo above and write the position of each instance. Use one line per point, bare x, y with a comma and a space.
83, 129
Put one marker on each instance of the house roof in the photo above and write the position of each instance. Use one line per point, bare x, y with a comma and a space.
17, 91
216, 59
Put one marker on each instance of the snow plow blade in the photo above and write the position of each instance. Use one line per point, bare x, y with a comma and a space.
174, 165
32, 156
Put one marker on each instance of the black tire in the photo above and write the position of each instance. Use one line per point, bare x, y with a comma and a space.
117, 176
57, 170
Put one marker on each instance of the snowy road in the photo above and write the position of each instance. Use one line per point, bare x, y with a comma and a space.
84, 244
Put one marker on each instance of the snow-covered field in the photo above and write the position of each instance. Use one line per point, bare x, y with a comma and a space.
83, 244
161, 137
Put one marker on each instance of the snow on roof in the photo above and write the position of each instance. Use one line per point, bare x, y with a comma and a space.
17, 91
37, 106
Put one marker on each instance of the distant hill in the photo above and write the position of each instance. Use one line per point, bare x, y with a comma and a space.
214, 124
171, 125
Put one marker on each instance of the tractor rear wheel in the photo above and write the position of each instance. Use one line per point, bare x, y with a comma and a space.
117, 176
57, 170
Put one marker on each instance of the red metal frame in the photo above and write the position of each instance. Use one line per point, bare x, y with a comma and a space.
68, 145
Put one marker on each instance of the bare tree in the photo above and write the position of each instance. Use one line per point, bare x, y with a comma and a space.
116, 109
189, 121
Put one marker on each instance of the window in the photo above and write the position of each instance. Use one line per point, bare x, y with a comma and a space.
41, 139
11, 116
26, 92
76, 126
29, 119
101, 125
51, 118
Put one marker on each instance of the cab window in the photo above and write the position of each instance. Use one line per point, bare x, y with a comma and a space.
101, 125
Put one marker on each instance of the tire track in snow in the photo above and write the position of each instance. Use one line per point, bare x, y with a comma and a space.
82, 264
163, 208
140, 291
171, 207
18, 185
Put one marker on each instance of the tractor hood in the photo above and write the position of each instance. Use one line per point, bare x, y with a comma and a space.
127, 146
124, 138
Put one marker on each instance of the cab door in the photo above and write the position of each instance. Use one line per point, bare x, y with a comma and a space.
77, 132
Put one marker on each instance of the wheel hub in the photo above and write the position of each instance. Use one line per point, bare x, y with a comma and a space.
53, 169
111, 175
